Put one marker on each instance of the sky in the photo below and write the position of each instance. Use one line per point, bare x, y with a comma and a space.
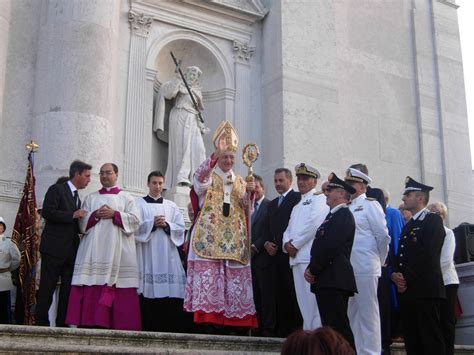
466, 27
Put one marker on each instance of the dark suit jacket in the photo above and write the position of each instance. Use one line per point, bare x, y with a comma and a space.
280, 216
418, 257
60, 236
260, 234
331, 252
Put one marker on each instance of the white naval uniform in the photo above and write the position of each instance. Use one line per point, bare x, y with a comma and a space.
369, 251
305, 219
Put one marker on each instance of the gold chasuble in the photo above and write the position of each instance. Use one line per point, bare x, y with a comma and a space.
217, 236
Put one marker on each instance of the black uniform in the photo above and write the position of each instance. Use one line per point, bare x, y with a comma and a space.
330, 264
418, 260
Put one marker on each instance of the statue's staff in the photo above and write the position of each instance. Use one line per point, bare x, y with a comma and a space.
178, 67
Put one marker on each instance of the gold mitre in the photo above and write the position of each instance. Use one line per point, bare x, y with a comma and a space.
231, 138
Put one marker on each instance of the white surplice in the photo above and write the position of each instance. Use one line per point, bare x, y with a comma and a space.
107, 253
161, 273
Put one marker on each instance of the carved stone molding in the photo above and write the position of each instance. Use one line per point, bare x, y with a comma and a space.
139, 23
217, 95
10, 191
243, 51
219, 19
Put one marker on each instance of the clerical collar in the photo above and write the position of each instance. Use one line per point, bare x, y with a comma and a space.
150, 199
109, 190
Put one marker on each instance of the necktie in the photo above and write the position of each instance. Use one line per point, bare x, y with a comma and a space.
255, 209
77, 201
280, 200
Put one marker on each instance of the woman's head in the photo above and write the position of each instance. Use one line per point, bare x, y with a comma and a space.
321, 341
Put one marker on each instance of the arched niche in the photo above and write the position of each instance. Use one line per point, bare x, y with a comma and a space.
217, 80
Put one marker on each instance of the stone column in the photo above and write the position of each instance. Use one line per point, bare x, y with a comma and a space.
74, 114
4, 32
242, 121
138, 125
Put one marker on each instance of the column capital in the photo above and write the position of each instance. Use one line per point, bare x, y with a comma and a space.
139, 23
243, 51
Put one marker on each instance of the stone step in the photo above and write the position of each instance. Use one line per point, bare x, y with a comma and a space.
16, 339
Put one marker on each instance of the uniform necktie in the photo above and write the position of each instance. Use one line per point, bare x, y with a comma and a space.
77, 201
280, 200
255, 209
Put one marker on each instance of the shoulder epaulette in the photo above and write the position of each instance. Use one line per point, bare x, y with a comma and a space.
371, 199
318, 193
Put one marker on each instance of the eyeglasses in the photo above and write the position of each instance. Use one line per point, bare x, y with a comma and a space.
108, 173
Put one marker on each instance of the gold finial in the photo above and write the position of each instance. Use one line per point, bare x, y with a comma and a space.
32, 146
250, 154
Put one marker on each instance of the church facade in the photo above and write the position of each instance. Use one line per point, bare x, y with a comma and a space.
329, 83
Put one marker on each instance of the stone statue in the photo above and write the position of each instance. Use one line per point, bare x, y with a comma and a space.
186, 146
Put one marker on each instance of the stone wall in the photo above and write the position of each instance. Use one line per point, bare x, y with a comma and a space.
329, 84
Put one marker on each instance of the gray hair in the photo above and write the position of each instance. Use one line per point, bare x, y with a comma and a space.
440, 207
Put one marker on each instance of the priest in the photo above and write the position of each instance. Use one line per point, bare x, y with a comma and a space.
105, 279
219, 282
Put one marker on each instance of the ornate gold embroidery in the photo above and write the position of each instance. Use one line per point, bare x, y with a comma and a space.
217, 236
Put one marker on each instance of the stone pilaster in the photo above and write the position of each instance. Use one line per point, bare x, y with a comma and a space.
137, 124
242, 121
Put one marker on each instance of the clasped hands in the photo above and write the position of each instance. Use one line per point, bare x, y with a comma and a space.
160, 221
104, 212
399, 281
271, 248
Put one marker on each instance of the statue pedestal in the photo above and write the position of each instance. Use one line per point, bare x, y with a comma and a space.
180, 196
465, 324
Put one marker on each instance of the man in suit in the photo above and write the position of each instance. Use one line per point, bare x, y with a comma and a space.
279, 211
263, 270
417, 273
59, 241
330, 271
